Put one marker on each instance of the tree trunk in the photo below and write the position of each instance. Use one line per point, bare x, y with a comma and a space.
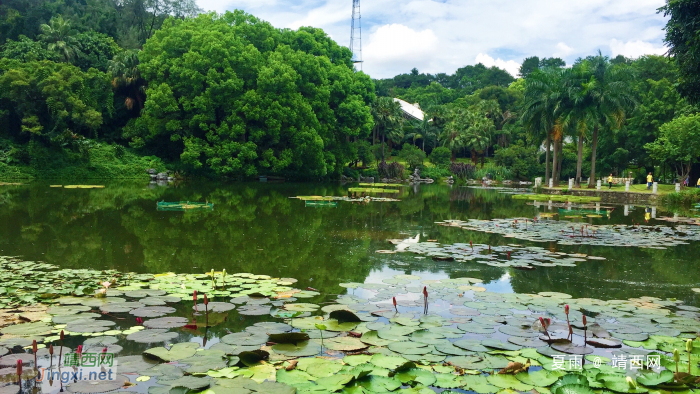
594, 146
561, 156
555, 160
547, 157
579, 161
454, 156
423, 144
383, 145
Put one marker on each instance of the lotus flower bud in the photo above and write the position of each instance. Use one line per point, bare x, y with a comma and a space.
62, 335
676, 356
394, 301
80, 349
19, 368
631, 383
194, 296
34, 347
425, 291
206, 301
689, 345
566, 309
104, 350
139, 321
584, 321
51, 350
223, 273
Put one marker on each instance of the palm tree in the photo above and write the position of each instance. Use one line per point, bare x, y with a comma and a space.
388, 117
423, 131
544, 93
603, 91
59, 37
126, 78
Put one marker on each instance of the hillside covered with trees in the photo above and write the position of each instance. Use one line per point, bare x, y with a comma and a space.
108, 89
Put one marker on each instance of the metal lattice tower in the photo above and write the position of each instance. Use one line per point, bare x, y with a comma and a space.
356, 34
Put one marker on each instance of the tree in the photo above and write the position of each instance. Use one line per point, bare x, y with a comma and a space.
59, 38
388, 116
684, 47
603, 91
678, 144
96, 50
530, 65
544, 92
54, 102
412, 155
126, 78
231, 94
440, 156
26, 50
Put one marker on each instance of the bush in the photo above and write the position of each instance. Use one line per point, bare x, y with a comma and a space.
440, 156
685, 197
462, 170
412, 155
493, 171
377, 151
435, 173
390, 170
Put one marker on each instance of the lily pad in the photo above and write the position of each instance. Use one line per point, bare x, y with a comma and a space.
166, 322
97, 386
178, 351
152, 336
303, 349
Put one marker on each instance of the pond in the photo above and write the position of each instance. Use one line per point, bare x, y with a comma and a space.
349, 249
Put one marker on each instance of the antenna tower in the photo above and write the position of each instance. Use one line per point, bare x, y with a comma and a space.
356, 34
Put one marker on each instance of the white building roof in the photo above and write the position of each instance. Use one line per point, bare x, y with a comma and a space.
412, 110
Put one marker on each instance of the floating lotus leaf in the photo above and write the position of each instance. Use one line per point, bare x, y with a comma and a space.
152, 336
254, 310
152, 311
651, 379
159, 300
10, 360
67, 309
319, 367
303, 349
496, 344
631, 337
191, 383
97, 386
420, 376
427, 337
371, 338
357, 359
570, 348
476, 328
541, 378
333, 325
166, 322
472, 345
27, 329
204, 363
604, 342
134, 364
410, 348
289, 337
345, 344
388, 362
301, 307
508, 382
573, 389
254, 357
216, 307
344, 316
466, 362
64, 319
396, 333
145, 293
619, 384
121, 307
178, 351
269, 328
307, 323
517, 331
89, 325
479, 384
245, 339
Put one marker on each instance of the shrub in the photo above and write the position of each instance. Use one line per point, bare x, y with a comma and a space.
435, 172
462, 170
390, 170
493, 171
683, 198
377, 151
412, 155
440, 156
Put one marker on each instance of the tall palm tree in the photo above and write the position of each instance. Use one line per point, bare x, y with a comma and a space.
544, 93
126, 78
59, 37
423, 131
603, 91
388, 117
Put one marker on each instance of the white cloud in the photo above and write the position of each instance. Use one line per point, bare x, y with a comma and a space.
563, 50
635, 49
511, 66
449, 34
398, 47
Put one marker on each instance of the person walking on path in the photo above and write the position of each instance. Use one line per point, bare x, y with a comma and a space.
698, 183
610, 181
687, 181
650, 181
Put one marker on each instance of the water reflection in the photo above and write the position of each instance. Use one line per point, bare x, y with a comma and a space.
257, 228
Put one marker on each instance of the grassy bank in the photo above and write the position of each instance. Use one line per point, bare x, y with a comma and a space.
683, 199
92, 161
638, 188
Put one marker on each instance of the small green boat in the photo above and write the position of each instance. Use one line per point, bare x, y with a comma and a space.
185, 206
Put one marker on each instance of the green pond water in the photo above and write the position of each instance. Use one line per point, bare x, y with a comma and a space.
258, 228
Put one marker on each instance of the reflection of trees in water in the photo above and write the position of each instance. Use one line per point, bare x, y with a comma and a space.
257, 228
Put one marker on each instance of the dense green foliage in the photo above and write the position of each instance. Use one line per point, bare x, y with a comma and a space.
238, 96
678, 143
682, 38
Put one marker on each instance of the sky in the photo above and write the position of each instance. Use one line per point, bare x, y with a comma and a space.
441, 36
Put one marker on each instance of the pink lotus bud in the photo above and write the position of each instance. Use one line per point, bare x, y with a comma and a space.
34, 347
51, 350
425, 291
584, 320
566, 309
206, 301
62, 335
194, 296
104, 350
19, 368
394, 302
80, 349
139, 321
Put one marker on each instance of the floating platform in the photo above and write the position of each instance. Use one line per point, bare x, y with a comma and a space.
185, 206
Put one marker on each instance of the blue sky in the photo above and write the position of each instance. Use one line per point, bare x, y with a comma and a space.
441, 36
